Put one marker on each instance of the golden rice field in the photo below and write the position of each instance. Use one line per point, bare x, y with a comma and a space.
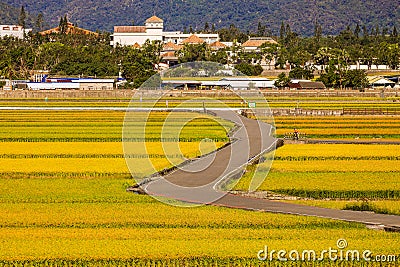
386, 206
343, 127
335, 103
332, 171
63, 199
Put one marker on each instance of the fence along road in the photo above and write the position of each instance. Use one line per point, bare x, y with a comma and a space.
197, 182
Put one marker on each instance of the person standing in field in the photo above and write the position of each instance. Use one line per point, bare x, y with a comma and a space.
296, 134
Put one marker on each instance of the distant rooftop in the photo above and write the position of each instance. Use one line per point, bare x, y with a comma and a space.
129, 29
193, 39
171, 47
245, 78
71, 29
258, 41
154, 19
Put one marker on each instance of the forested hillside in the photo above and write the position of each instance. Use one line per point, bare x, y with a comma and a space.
333, 16
8, 14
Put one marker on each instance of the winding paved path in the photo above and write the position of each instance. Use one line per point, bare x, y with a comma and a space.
198, 181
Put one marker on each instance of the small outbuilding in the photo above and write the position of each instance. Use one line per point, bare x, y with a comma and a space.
246, 83
306, 85
378, 81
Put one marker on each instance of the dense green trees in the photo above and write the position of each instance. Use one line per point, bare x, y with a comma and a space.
74, 55
86, 55
282, 81
193, 52
138, 64
249, 69
22, 17
333, 16
301, 73
355, 79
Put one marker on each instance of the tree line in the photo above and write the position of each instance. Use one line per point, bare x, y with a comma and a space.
85, 55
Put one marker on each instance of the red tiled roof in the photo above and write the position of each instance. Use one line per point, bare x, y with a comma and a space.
217, 45
136, 45
154, 19
258, 43
171, 46
129, 29
71, 29
193, 39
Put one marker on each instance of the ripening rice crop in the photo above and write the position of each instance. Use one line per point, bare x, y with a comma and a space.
332, 171
340, 126
64, 202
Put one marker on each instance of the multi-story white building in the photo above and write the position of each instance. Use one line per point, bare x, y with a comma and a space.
153, 30
13, 31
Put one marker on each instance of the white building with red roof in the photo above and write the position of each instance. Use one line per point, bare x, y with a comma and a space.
130, 35
153, 30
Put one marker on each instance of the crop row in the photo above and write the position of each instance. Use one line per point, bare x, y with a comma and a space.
55, 175
336, 119
346, 158
106, 139
337, 194
146, 214
180, 243
155, 156
199, 104
361, 166
183, 97
379, 206
90, 156
327, 181
387, 125
191, 261
105, 148
330, 171
337, 150
74, 188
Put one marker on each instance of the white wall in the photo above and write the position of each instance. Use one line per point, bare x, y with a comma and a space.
130, 38
52, 86
13, 30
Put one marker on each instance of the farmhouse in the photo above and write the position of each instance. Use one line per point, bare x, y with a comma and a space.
153, 30
13, 31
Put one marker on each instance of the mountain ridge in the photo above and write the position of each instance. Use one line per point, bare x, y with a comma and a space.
301, 15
